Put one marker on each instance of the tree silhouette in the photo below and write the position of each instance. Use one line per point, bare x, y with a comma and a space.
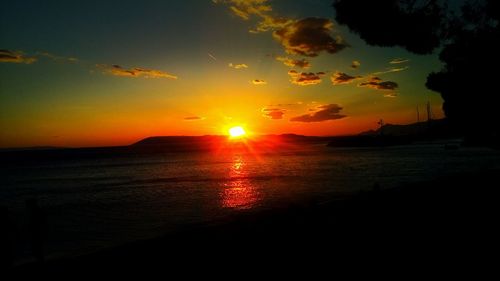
467, 36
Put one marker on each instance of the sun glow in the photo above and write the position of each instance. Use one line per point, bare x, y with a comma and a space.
237, 132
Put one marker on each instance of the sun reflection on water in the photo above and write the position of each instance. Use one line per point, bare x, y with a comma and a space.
239, 192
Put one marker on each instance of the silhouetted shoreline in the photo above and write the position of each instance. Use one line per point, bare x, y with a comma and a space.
448, 220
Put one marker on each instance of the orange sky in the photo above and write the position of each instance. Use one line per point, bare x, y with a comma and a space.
97, 78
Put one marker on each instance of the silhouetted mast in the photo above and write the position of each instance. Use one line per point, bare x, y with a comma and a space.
429, 117
381, 123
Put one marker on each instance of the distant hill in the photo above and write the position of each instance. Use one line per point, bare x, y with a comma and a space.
439, 128
393, 134
199, 143
31, 148
390, 134
210, 139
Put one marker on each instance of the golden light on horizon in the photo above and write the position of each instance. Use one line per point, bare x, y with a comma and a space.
237, 132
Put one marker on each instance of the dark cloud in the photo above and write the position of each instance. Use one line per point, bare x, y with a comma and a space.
339, 78
309, 37
193, 118
398, 61
16, 57
305, 78
321, 113
378, 84
355, 64
302, 63
259, 82
273, 113
134, 72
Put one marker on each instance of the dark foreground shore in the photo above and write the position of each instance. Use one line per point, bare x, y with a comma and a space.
449, 225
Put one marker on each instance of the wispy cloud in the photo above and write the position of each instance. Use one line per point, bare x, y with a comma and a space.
302, 63
355, 64
193, 118
305, 78
117, 70
391, 70
134, 72
260, 9
398, 61
284, 104
391, 95
320, 114
58, 58
273, 113
16, 57
238, 66
339, 78
259, 82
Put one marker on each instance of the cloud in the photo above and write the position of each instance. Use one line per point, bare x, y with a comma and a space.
19, 57
284, 104
305, 78
134, 72
16, 57
378, 84
302, 63
308, 37
246, 9
391, 70
58, 58
240, 13
339, 78
273, 113
355, 64
398, 61
259, 82
320, 114
271, 23
238, 66
193, 118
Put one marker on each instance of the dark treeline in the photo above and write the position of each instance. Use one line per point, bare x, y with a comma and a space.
465, 33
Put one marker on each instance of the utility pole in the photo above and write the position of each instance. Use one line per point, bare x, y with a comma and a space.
418, 115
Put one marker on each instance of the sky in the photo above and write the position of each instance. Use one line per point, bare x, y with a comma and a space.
102, 73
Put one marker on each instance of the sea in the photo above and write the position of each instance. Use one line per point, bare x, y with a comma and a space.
96, 203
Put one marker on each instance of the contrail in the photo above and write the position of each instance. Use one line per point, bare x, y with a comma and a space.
211, 56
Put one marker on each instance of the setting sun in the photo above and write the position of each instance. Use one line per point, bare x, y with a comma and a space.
237, 132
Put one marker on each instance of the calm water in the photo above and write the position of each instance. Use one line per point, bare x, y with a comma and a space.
92, 204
